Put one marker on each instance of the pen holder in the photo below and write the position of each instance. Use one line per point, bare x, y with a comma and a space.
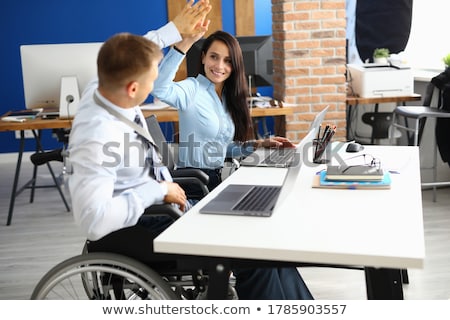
319, 149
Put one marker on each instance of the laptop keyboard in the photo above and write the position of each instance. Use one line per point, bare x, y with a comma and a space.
258, 198
279, 156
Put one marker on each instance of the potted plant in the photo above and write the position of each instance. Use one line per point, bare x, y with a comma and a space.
446, 60
381, 55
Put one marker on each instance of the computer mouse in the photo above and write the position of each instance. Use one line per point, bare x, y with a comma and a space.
354, 147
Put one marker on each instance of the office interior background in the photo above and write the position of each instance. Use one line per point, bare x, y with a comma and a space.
81, 21
50, 21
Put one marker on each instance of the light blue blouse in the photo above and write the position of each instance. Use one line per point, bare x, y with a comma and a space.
206, 128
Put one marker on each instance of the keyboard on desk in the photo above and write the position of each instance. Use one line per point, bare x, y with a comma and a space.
244, 200
258, 199
279, 156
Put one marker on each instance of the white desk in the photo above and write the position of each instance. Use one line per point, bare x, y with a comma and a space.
320, 226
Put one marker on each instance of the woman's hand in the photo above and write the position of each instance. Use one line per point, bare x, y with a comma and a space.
192, 19
275, 142
188, 40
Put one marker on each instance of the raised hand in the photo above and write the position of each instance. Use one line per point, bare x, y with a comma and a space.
192, 19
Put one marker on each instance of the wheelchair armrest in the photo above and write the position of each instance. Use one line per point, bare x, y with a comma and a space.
185, 182
192, 173
164, 209
189, 177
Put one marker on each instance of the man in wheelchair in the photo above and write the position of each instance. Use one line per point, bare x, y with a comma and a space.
117, 172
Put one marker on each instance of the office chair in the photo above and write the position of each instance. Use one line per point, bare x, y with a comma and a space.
419, 115
41, 157
380, 123
183, 177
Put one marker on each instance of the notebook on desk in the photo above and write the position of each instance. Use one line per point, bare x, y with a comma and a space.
279, 157
256, 200
49, 113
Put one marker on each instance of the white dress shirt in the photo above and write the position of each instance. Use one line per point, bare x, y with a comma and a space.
110, 186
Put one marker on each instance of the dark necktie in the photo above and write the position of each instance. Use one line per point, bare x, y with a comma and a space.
157, 170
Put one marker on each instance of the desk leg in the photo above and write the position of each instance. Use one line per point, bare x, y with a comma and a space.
176, 132
16, 177
15, 192
37, 137
405, 277
280, 125
383, 284
256, 127
349, 134
372, 138
39, 147
219, 278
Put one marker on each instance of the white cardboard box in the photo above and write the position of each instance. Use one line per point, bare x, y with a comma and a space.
371, 80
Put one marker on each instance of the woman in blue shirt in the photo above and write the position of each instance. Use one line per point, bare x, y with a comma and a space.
214, 122
214, 118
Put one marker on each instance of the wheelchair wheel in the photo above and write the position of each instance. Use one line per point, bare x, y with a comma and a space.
102, 276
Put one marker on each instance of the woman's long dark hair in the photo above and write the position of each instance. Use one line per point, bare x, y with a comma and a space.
236, 88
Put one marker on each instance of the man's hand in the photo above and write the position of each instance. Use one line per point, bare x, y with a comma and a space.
191, 20
175, 194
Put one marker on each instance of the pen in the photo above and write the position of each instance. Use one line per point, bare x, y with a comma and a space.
325, 132
317, 142
330, 135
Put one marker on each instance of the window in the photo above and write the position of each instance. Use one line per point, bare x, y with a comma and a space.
428, 42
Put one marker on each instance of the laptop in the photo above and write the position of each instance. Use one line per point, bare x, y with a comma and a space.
279, 157
256, 200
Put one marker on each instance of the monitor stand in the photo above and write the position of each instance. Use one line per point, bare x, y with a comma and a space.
69, 97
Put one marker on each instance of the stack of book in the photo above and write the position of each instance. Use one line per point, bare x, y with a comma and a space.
21, 115
353, 177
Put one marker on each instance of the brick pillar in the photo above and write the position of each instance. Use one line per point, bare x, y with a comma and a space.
309, 61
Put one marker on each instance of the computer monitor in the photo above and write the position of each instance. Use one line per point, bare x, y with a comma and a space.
54, 75
258, 59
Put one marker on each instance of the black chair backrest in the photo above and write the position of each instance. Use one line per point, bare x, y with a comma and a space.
427, 103
160, 140
428, 94
380, 123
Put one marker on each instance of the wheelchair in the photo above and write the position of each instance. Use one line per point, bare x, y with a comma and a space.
120, 267
112, 269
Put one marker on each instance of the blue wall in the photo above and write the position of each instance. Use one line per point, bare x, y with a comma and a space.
56, 21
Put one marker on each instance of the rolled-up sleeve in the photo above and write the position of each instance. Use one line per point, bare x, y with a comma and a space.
165, 36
